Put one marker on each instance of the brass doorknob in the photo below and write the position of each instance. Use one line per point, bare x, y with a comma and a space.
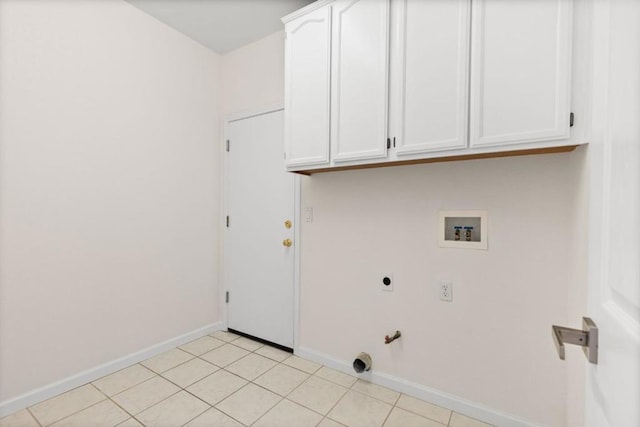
287, 224
287, 243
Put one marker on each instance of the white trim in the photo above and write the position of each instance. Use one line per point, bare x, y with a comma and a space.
305, 10
48, 391
437, 397
252, 112
297, 201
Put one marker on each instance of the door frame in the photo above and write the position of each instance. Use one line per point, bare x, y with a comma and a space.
229, 118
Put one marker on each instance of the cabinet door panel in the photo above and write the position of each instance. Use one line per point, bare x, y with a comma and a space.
307, 76
520, 71
431, 77
359, 74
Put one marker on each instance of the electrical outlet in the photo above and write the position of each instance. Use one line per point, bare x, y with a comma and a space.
386, 282
446, 291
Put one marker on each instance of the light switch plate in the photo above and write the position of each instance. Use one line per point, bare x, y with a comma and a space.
308, 214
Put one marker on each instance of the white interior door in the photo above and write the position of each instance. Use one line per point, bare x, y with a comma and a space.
613, 385
260, 198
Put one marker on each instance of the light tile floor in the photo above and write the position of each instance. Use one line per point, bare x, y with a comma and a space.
230, 381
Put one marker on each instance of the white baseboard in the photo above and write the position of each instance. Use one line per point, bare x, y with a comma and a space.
43, 393
437, 397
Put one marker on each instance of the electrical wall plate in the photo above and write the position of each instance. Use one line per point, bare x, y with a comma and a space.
445, 291
463, 229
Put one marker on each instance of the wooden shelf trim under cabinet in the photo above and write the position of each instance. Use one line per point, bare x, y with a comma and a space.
547, 150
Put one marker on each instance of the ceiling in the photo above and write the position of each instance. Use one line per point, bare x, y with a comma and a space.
221, 25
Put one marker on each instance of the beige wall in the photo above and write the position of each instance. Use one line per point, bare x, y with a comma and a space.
253, 76
492, 345
109, 187
109, 214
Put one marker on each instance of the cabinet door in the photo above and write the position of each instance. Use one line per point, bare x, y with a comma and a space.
430, 75
307, 89
520, 71
359, 79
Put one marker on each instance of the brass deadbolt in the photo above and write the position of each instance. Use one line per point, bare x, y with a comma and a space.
287, 243
287, 224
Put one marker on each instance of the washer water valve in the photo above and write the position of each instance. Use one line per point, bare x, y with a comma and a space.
467, 233
457, 232
388, 340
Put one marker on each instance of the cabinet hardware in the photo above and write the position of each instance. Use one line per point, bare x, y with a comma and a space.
226, 298
228, 145
388, 143
587, 338
394, 142
227, 221
571, 120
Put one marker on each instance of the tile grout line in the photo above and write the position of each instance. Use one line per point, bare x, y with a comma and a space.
73, 413
166, 398
393, 406
285, 397
193, 418
148, 407
33, 416
268, 410
252, 382
125, 411
420, 415
281, 397
179, 364
226, 397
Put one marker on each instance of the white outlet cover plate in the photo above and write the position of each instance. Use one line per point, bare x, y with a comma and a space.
445, 291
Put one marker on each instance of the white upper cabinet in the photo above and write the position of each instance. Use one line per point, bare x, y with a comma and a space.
307, 92
359, 79
520, 71
430, 75
406, 81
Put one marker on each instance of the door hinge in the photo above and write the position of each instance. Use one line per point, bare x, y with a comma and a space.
571, 120
228, 145
227, 221
388, 143
226, 298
